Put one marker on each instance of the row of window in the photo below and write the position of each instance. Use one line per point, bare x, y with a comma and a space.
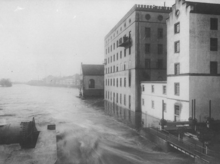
213, 45
213, 25
176, 89
159, 49
117, 44
117, 56
117, 98
152, 89
149, 65
117, 68
148, 32
116, 33
164, 105
213, 68
118, 82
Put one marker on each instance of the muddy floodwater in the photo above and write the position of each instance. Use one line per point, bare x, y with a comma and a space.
85, 133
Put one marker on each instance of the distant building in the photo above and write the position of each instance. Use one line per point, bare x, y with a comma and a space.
92, 80
193, 69
135, 51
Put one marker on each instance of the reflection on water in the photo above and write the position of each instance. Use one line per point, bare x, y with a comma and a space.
86, 134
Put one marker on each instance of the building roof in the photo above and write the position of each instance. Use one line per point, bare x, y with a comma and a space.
137, 7
204, 8
90, 69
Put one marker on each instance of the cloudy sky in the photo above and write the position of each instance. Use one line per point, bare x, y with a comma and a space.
52, 37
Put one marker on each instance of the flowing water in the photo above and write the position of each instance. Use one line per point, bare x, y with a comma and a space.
85, 133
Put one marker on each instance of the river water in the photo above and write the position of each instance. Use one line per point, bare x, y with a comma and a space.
86, 134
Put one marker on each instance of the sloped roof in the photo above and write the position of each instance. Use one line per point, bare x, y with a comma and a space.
89, 69
205, 8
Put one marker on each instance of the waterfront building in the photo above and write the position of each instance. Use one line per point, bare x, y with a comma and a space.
193, 69
135, 51
92, 80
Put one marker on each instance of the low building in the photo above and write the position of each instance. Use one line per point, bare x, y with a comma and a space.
193, 78
92, 80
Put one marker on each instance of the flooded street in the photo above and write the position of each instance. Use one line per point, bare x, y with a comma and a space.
85, 133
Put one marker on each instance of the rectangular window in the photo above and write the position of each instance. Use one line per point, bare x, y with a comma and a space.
117, 82
176, 113
124, 99
120, 82
147, 63
142, 102
130, 44
147, 48
213, 23
213, 44
117, 56
125, 52
177, 68
114, 46
129, 102
177, 47
147, 32
124, 82
143, 88
165, 107
160, 63
160, 49
213, 68
113, 82
117, 98
164, 89
152, 104
177, 28
152, 88
160, 33
120, 54
177, 89
117, 43
120, 98
129, 78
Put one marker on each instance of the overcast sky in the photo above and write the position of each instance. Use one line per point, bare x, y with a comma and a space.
52, 37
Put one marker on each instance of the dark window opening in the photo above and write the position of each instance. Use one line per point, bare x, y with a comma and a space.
160, 63
213, 44
147, 48
160, 49
177, 28
176, 113
160, 33
213, 68
177, 47
91, 83
213, 23
177, 89
147, 32
177, 69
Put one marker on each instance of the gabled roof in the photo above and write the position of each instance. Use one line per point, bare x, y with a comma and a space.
205, 8
90, 69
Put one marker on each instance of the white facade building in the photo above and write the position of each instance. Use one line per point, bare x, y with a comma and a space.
193, 54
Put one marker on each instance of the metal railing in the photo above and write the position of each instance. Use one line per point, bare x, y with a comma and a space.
189, 147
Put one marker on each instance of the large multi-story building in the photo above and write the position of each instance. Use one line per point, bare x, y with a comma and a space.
193, 79
135, 51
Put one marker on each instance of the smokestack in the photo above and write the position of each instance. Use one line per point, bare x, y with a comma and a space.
164, 4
